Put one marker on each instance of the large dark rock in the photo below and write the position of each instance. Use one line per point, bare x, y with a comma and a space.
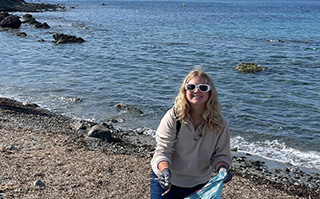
62, 39
11, 21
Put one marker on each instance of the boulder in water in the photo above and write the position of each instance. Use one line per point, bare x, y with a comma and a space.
62, 39
11, 21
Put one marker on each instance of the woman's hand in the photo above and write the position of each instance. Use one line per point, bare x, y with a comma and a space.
228, 176
165, 179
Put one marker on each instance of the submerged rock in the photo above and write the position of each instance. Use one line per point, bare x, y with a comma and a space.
250, 68
122, 106
20, 34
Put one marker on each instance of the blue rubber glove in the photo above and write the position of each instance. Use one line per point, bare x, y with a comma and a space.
165, 179
228, 176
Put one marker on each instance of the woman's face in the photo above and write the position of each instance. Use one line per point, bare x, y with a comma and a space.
197, 98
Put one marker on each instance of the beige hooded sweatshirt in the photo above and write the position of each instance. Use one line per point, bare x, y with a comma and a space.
192, 154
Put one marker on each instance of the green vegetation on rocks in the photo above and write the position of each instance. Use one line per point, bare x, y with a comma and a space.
250, 68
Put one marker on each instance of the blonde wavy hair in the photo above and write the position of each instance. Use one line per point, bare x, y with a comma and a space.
212, 114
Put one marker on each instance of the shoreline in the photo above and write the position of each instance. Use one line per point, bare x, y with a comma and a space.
29, 117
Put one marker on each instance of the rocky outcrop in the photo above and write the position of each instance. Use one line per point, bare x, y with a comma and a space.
28, 18
62, 39
21, 5
250, 68
13, 21
9, 21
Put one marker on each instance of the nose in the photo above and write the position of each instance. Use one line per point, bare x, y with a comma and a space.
196, 89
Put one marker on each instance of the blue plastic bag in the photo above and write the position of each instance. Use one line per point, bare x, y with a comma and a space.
212, 190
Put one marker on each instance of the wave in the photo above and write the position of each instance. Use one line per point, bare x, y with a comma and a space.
279, 152
67, 98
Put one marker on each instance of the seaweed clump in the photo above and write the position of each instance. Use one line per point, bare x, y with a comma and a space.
250, 68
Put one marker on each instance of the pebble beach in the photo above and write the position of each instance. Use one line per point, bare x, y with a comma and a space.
47, 155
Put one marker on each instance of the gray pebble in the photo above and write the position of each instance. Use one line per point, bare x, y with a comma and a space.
39, 183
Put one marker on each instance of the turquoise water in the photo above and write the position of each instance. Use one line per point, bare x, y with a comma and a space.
138, 52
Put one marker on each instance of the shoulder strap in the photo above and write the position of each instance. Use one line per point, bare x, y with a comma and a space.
178, 122
178, 126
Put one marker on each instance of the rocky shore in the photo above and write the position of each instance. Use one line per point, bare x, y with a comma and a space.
22, 6
47, 155
10, 21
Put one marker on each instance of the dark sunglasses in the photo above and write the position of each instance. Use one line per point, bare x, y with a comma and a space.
201, 87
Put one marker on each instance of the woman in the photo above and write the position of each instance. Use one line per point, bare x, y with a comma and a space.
186, 156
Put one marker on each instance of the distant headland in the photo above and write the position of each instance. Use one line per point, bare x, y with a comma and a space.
22, 6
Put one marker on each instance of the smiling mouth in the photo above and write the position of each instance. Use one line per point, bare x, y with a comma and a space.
196, 96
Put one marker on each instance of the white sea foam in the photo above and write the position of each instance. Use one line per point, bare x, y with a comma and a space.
67, 98
278, 151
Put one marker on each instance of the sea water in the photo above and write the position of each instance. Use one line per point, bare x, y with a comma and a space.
138, 52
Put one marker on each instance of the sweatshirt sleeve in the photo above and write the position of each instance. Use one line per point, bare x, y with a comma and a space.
222, 151
165, 139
